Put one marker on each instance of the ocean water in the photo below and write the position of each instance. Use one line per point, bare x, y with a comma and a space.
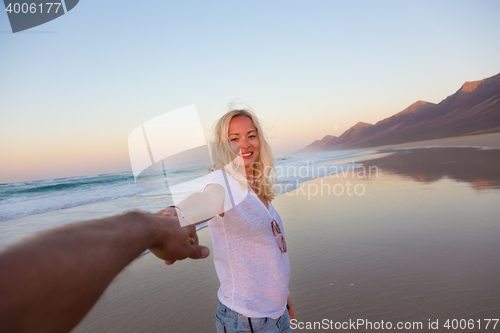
29, 207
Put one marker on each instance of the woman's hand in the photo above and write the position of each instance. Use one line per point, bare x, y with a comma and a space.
291, 311
169, 211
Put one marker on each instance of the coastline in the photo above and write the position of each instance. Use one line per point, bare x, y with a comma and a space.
490, 140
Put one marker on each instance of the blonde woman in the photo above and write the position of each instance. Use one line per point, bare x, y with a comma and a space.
249, 247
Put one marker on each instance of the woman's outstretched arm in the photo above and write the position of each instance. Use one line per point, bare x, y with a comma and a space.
199, 207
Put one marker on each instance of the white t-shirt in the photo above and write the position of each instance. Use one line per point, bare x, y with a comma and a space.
253, 272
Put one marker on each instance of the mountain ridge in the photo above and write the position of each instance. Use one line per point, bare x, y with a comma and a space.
472, 109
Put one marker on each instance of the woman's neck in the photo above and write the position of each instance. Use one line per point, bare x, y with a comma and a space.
249, 173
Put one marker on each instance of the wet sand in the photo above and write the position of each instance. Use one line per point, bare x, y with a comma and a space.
422, 242
491, 140
418, 240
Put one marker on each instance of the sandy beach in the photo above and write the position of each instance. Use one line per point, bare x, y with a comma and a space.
414, 241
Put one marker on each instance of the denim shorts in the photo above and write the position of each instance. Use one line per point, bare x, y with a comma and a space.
229, 321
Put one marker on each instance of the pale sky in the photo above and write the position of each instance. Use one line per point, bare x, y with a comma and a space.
73, 89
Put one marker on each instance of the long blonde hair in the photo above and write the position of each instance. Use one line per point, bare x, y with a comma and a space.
264, 171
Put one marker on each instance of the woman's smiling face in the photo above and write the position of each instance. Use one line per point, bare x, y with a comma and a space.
243, 133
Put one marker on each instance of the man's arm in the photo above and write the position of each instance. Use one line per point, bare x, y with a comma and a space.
49, 282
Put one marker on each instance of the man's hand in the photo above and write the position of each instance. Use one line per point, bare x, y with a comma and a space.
180, 242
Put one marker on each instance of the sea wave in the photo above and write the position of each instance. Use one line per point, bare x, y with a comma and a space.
25, 206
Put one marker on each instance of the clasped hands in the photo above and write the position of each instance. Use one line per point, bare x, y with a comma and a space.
180, 242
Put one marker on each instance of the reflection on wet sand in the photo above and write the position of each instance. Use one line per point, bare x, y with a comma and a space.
479, 167
405, 251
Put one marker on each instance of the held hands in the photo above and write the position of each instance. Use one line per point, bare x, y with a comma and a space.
182, 241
